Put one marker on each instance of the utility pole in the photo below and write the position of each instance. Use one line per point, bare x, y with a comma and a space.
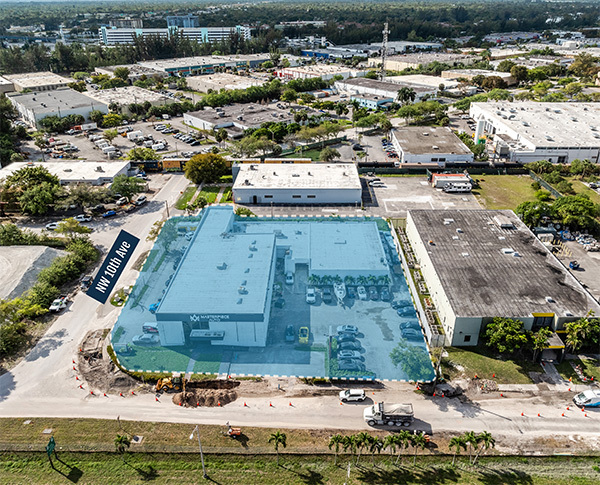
384, 46
197, 431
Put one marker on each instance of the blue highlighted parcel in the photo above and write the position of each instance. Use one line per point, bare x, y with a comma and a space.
248, 296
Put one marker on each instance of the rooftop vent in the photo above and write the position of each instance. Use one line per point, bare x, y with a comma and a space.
250, 255
507, 250
425, 134
464, 255
456, 238
247, 270
503, 221
242, 290
294, 174
252, 248
99, 168
459, 230
240, 301
435, 147
516, 254
448, 221
549, 299
222, 266
68, 170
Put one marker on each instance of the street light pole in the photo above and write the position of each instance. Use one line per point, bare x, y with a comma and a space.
167, 204
197, 431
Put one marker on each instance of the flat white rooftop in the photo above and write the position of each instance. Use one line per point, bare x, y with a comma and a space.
320, 69
33, 80
76, 171
422, 80
297, 176
546, 124
127, 95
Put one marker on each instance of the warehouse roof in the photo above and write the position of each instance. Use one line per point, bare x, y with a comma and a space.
423, 80
547, 124
51, 102
297, 176
425, 58
33, 80
222, 272
250, 115
429, 139
381, 85
129, 94
490, 264
72, 171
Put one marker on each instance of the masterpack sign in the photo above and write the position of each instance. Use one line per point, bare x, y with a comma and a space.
113, 266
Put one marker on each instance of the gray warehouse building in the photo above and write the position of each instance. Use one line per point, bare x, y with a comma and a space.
482, 264
302, 183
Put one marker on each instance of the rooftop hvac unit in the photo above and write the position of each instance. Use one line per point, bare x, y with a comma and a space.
242, 290
293, 175
222, 266
435, 147
549, 299
425, 134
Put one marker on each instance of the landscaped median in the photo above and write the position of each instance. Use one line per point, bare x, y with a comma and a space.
86, 453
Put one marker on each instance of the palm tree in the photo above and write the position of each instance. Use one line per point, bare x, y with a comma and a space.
406, 95
362, 439
334, 442
337, 279
278, 438
349, 280
471, 439
375, 445
457, 443
390, 442
402, 439
313, 279
418, 441
372, 279
362, 280
349, 443
487, 441
122, 444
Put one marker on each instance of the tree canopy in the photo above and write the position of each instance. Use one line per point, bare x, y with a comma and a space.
205, 168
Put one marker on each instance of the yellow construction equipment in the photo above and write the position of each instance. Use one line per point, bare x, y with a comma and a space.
175, 383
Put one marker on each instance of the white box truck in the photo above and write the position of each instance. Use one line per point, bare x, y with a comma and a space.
458, 187
158, 146
132, 135
389, 414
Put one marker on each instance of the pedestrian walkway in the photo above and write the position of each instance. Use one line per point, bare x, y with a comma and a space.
553, 374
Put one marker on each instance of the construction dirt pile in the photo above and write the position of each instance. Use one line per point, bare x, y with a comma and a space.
96, 367
204, 397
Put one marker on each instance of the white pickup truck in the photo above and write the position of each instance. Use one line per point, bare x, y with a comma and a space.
59, 304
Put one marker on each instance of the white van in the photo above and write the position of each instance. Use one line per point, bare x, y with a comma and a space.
158, 146
588, 399
148, 143
108, 149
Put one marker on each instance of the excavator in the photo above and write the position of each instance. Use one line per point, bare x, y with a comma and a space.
176, 383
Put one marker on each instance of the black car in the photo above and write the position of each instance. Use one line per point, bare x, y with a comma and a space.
349, 345
411, 334
290, 333
327, 295
98, 208
385, 294
410, 324
351, 365
356, 147
86, 282
346, 337
351, 291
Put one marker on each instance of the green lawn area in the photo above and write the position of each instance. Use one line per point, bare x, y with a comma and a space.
314, 155
208, 363
589, 366
161, 468
504, 191
157, 359
210, 192
483, 363
581, 188
187, 195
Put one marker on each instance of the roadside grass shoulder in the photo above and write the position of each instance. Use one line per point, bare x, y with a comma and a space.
20, 468
480, 361
589, 368
504, 191
187, 195
210, 192
580, 188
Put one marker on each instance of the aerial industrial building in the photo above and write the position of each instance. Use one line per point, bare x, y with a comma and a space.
529, 131
324, 71
236, 118
6, 86
429, 144
37, 81
126, 95
481, 264
219, 81
33, 107
424, 59
135, 71
94, 173
191, 66
298, 184
469, 74
231, 297
382, 88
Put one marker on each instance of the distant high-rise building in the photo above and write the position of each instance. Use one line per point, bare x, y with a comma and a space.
186, 21
115, 36
127, 23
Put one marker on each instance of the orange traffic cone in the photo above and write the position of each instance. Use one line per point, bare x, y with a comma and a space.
219, 403
270, 404
121, 394
539, 415
291, 404
80, 386
105, 395
92, 393
76, 378
156, 399
522, 414
132, 393
245, 405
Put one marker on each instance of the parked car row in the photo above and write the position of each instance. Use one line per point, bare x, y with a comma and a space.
190, 140
349, 355
389, 148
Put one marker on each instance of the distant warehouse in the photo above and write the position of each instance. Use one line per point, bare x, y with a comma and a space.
429, 145
528, 131
482, 264
310, 183
94, 173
